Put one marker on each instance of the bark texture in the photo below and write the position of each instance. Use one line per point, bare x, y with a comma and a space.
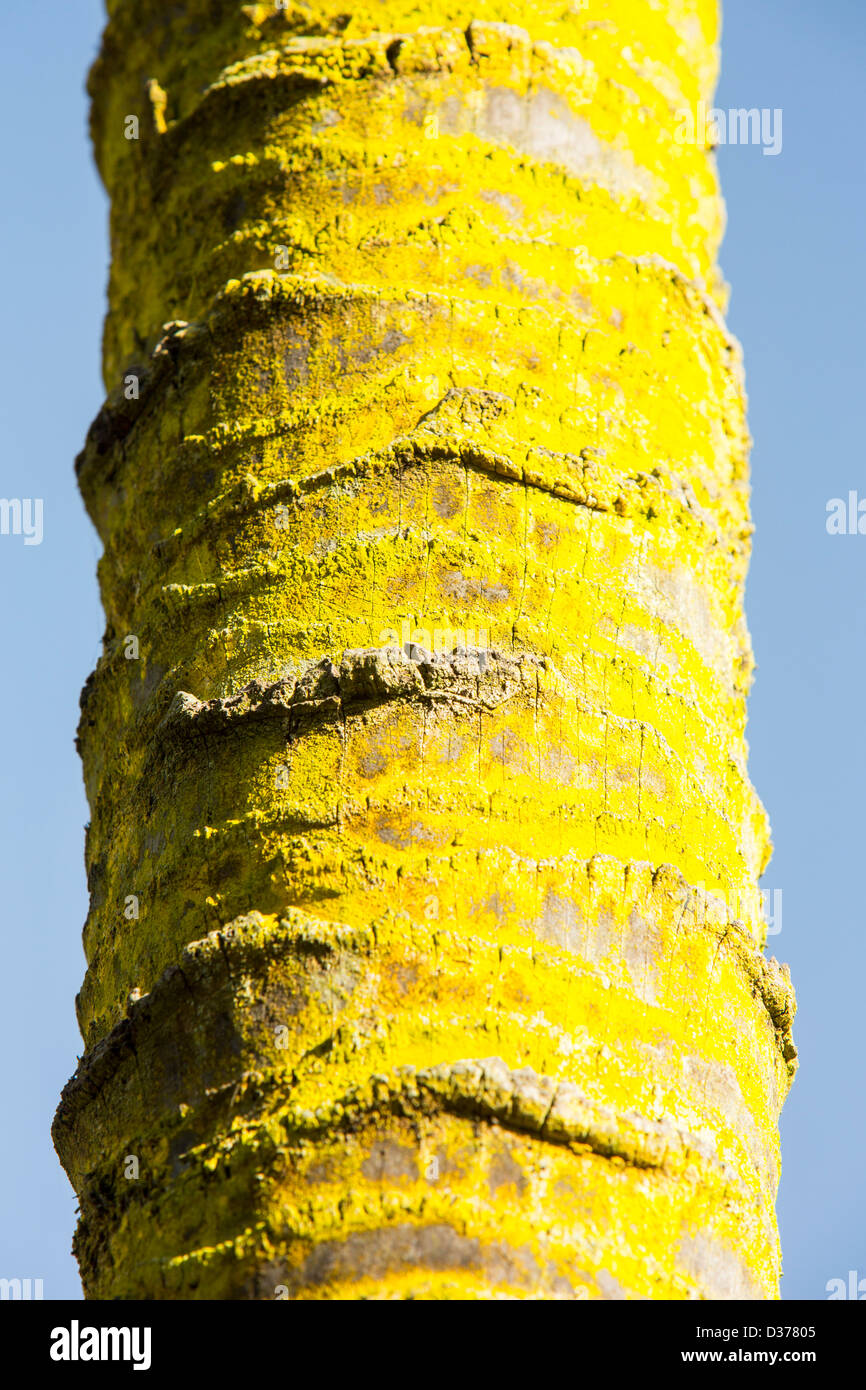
420, 798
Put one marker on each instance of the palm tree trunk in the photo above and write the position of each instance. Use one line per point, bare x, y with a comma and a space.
425, 952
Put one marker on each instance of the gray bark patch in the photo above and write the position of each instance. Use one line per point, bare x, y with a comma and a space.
719, 1271
390, 1161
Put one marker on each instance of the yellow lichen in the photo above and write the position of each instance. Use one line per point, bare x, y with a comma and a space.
409, 971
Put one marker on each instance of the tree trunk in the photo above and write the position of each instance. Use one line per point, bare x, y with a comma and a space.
425, 952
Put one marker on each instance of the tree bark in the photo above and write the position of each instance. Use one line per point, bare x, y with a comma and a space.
425, 951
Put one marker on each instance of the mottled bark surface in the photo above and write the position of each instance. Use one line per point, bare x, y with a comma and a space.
419, 796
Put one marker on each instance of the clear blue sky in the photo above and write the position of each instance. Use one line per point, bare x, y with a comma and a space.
794, 254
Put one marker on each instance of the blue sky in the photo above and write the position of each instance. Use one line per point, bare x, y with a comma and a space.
793, 254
